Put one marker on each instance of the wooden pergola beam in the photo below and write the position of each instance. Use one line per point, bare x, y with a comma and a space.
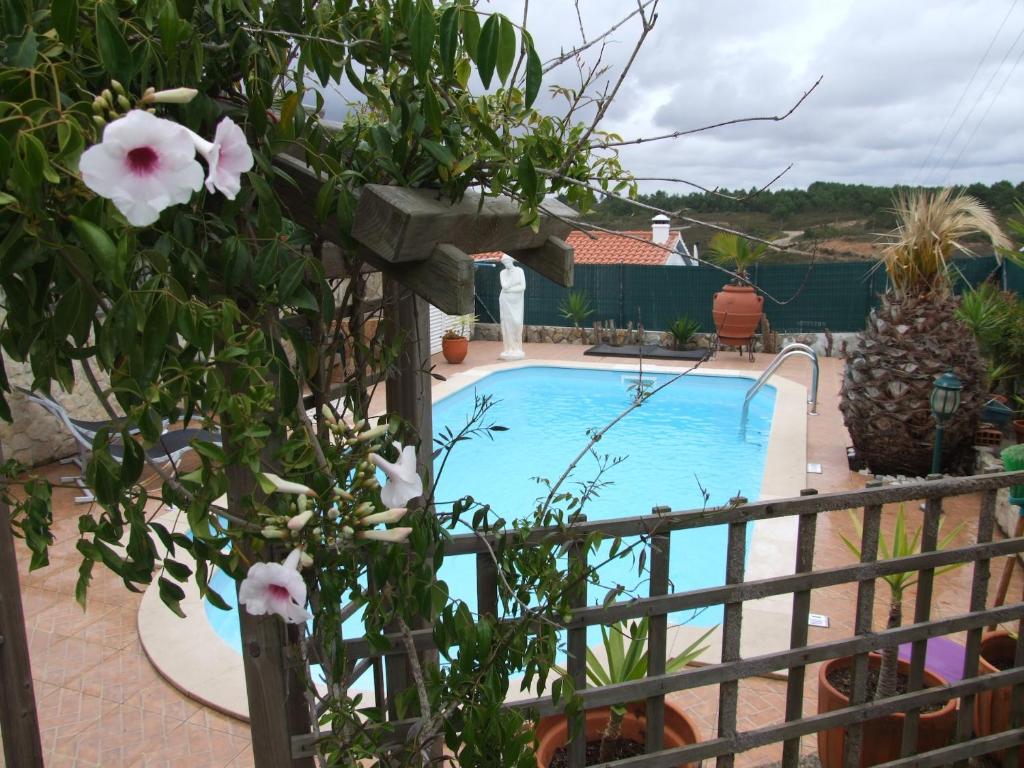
424, 243
401, 224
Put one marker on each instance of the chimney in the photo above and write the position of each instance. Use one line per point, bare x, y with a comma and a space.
659, 229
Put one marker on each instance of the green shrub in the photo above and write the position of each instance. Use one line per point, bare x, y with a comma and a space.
576, 307
682, 330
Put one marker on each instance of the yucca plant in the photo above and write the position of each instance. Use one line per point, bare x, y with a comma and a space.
625, 646
914, 336
576, 308
736, 253
682, 330
903, 544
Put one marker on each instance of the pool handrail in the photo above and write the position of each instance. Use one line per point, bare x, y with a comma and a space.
795, 348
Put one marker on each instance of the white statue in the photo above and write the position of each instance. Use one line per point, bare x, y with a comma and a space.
513, 288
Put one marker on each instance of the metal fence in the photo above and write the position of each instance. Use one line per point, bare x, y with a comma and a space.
729, 740
800, 297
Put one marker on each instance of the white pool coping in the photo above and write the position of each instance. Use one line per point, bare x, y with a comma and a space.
195, 660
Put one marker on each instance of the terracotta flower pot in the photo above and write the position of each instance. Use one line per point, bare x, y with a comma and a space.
882, 736
455, 350
553, 731
1018, 428
737, 310
992, 708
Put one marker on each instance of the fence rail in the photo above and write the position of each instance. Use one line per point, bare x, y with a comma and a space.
728, 741
803, 297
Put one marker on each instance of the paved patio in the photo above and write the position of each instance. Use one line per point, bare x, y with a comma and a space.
102, 704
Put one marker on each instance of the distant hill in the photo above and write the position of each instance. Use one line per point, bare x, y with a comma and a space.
837, 221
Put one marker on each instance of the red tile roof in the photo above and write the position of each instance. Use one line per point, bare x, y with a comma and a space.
611, 248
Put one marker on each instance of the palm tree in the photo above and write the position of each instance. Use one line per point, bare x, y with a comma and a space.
733, 251
914, 336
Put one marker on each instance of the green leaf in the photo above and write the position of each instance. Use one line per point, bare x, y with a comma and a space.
449, 39
487, 50
506, 48
6, 199
172, 595
65, 19
527, 176
100, 247
470, 31
439, 152
114, 52
21, 51
534, 71
133, 460
462, 71
422, 38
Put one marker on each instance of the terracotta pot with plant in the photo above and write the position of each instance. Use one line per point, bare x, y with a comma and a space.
737, 308
992, 708
455, 342
619, 731
887, 674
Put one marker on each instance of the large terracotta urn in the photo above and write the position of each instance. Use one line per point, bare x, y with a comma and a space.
883, 736
553, 731
992, 708
737, 310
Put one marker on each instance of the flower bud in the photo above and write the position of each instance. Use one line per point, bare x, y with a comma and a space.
298, 522
123, 103
273, 533
286, 486
364, 509
173, 96
387, 517
118, 88
300, 503
108, 96
99, 105
373, 432
100, 122
391, 536
305, 561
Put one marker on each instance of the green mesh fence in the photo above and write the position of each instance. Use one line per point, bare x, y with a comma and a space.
1015, 278
803, 298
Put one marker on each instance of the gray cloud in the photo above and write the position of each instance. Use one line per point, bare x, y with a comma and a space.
892, 74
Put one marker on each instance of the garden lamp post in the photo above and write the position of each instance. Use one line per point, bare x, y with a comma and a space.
945, 400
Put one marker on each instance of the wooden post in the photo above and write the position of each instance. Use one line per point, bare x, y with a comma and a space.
408, 391
19, 723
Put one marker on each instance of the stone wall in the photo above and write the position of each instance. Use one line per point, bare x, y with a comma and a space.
35, 436
553, 334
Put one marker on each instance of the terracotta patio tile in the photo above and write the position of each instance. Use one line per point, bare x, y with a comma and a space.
217, 721
161, 698
188, 746
63, 660
64, 713
122, 675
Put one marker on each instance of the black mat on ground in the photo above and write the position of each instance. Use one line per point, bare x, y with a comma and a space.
652, 351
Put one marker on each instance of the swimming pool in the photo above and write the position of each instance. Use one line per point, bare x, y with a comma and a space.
681, 443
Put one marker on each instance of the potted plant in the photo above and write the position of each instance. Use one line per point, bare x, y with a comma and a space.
992, 708
737, 308
618, 731
887, 673
455, 342
682, 331
576, 308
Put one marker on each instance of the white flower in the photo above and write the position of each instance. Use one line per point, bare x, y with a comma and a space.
404, 482
298, 522
228, 157
144, 164
276, 588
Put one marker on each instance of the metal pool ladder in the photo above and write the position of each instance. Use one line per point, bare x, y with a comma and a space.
790, 349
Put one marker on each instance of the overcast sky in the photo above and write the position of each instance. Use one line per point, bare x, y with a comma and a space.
894, 72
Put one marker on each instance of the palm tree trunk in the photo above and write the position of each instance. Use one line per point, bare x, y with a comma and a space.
887, 673
611, 735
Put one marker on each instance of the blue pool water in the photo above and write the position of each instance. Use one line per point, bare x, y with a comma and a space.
683, 441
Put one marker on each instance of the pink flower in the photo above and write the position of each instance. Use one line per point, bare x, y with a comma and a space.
228, 157
144, 164
276, 588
